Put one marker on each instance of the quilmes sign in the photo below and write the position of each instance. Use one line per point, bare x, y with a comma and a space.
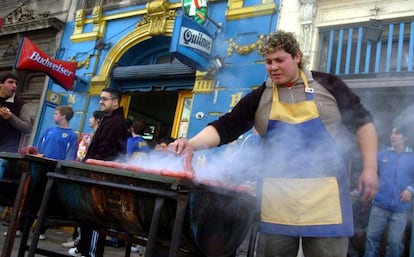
30, 58
191, 43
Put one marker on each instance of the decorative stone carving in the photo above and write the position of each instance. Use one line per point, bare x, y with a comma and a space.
24, 14
84, 63
11, 49
158, 12
243, 49
307, 17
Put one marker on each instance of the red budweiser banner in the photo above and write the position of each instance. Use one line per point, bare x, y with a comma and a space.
31, 58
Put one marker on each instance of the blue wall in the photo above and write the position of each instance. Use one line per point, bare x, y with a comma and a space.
240, 74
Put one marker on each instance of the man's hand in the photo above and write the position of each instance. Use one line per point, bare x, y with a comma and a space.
405, 196
5, 113
180, 146
368, 184
29, 150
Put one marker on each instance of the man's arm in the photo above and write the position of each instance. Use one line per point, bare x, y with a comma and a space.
71, 153
206, 138
22, 123
368, 144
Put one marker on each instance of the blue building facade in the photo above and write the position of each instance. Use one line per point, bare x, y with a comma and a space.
129, 48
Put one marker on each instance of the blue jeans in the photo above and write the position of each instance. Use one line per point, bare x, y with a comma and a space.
379, 219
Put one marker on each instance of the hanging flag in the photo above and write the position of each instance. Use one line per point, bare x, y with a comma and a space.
29, 57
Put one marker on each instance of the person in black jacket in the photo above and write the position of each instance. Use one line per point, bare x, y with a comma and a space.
108, 144
109, 140
14, 122
14, 114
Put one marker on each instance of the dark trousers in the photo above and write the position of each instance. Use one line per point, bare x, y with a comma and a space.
91, 242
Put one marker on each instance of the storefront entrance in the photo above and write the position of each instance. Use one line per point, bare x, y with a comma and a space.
157, 109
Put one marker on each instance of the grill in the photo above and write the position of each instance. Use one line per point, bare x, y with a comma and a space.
22, 185
163, 208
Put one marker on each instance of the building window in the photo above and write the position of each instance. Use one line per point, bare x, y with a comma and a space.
353, 50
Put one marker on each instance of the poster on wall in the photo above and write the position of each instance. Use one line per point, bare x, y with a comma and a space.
31, 58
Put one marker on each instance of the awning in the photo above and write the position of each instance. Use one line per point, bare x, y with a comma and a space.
154, 77
165, 71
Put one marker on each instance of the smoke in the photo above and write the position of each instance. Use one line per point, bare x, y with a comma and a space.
405, 120
157, 160
389, 107
285, 154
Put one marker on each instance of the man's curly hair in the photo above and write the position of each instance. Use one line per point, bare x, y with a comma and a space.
280, 40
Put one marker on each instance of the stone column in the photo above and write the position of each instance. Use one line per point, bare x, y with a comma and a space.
307, 17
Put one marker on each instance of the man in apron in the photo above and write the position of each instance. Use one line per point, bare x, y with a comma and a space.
305, 119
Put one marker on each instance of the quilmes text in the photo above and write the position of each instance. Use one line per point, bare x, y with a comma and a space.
196, 39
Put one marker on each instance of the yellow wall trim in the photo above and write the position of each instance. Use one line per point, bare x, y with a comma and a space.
203, 86
236, 11
96, 89
98, 29
243, 49
203, 83
179, 112
99, 20
140, 34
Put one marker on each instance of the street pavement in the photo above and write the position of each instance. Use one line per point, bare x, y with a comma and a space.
54, 238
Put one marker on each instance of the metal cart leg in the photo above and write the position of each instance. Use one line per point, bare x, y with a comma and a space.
178, 224
41, 217
159, 204
28, 220
14, 219
253, 240
128, 249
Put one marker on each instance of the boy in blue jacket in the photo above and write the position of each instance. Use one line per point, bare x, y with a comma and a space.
60, 142
391, 205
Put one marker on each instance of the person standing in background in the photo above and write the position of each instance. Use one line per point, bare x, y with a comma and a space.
391, 205
137, 146
94, 122
14, 121
109, 140
14, 114
60, 142
108, 144
162, 143
128, 122
83, 146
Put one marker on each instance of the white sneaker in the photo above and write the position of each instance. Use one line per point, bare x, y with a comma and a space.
68, 244
138, 249
74, 252
18, 233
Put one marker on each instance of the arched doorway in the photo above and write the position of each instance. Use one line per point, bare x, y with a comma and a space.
156, 84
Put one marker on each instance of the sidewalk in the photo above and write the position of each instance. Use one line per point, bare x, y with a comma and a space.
54, 238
